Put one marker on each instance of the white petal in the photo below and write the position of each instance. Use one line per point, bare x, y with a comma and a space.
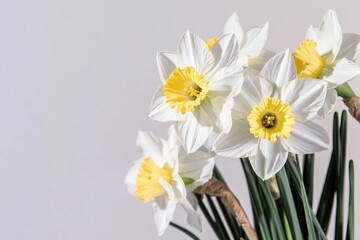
219, 108
161, 111
329, 103
169, 188
151, 146
270, 158
193, 51
226, 81
209, 143
350, 46
307, 137
239, 142
341, 72
328, 36
163, 213
279, 70
173, 140
258, 62
233, 26
198, 166
225, 52
131, 176
193, 218
192, 200
305, 96
166, 62
253, 91
178, 186
195, 130
255, 40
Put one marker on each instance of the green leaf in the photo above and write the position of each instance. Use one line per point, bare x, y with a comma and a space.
327, 196
258, 210
234, 227
273, 216
296, 175
218, 220
340, 178
308, 176
350, 223
184, 230
288, 203
208, 217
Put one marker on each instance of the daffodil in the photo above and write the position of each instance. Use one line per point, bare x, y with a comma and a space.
199, 84
166, 175
328, 54
275, 113
250, 43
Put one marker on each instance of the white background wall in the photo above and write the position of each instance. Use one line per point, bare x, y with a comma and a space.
76, 79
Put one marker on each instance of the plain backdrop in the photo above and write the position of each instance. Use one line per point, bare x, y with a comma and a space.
76, 80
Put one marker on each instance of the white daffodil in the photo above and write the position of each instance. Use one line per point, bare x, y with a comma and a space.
328, 54
275, 113
167, 175
251, 43
198, 88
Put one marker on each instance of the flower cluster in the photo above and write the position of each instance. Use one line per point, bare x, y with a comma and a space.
228, 96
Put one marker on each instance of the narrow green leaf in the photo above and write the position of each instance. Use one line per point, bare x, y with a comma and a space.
234, 227
318, 227
340, 178
269, 204
184, 230
288, 203
299, 205
350, 223
267, 214
296, 175
286, 226
327, 196
208, 216
218, 220
308, 176
258, 210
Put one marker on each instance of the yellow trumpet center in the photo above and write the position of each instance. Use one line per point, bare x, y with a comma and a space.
270, 119
147, 181
210, 42
185, 89
308, 62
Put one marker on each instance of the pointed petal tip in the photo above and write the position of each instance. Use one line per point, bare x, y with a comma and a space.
234, 15
332, 12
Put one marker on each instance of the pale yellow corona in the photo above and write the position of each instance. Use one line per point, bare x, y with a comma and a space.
147, 181
210, 42
270, 119
308, 62
185, 89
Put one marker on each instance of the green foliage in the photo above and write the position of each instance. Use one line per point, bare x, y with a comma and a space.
290, 214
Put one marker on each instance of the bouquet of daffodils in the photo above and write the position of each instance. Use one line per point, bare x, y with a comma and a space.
228, 96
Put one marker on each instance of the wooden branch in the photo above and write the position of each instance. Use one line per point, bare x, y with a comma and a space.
217, 189
354, 107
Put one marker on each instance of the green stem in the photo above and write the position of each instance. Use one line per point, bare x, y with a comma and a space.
184, 230
235, 229
218, 220
208, 217
350, 224
308, 176
345, 91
